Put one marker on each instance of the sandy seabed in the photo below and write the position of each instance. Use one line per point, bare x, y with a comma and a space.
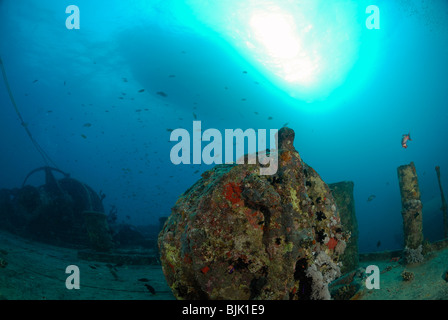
37, 271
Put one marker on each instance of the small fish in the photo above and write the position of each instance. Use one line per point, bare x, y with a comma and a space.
150, 289
84, 136
87, 125
394, 259
162, 94
125, 80
141, 90
378, 244
64, 83
371, 197
172, 76
194, 116
404, 139
35, 81
143, 280
270, 118
285, 124
169, 130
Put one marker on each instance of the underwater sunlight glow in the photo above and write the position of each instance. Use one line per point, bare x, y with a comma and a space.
305, 49
277, 34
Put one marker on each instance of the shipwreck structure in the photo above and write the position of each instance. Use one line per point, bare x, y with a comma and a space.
444, 206
63, 212
345, 202
411, 212
236, 234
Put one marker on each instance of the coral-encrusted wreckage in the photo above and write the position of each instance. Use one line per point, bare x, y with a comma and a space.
343, 195
412, 213
236, 234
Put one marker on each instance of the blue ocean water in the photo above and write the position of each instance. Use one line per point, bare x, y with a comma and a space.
102, 100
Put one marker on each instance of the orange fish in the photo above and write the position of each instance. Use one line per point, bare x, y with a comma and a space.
405, 139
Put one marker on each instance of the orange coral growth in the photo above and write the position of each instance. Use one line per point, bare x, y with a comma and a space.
286, 156
332, 243
205, 270
253, 218
232, 192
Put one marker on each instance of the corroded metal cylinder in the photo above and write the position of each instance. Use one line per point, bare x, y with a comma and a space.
343, 195
411, 206
444, 206
236, 234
